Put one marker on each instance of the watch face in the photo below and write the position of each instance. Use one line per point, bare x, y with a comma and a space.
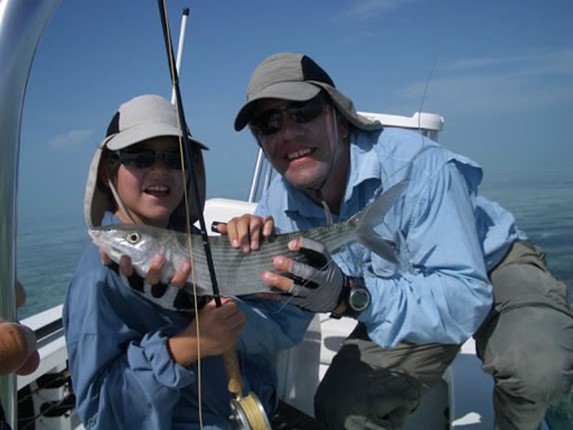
359, 299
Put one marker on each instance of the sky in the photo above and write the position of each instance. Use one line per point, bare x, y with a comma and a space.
500, 73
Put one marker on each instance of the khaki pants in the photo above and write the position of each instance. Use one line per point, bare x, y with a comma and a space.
526, 344
367, 387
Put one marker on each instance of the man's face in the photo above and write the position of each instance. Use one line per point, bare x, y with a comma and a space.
300, 141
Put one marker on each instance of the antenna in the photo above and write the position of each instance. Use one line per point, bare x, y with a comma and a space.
182, 29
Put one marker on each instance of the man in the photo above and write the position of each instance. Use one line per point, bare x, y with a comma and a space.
456, 250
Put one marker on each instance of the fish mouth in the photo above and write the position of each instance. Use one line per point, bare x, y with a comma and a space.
94, 235
108, 248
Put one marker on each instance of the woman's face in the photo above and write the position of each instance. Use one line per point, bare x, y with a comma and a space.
150, 194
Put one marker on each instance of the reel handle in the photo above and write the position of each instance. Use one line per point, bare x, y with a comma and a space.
231, 363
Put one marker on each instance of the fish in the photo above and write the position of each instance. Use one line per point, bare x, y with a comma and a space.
238, 273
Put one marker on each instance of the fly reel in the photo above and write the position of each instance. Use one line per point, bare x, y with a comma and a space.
247, 413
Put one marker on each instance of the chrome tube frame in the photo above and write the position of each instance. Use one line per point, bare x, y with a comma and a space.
21, 26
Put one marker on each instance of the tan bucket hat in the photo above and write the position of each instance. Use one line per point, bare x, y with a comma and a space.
296, 77
141, 118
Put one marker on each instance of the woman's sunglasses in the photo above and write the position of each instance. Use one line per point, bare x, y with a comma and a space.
270, 121
146, 158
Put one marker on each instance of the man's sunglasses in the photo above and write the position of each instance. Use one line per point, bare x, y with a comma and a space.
270, 121
146, 158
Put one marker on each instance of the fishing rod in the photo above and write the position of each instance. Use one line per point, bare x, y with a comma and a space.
187, 151
247, 411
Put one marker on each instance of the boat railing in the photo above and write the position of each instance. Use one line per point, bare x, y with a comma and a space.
21, 25
45, 397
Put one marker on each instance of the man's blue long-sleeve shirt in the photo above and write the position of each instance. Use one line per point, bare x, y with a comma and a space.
441, 227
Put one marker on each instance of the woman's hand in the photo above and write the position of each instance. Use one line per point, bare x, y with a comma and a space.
245, 232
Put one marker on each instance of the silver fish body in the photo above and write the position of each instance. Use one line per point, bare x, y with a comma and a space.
237, 273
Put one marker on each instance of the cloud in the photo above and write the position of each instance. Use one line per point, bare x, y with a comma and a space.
498, 85
374, 8
71, 139
544, 62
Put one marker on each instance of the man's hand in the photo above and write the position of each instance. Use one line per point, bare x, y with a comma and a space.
17, 343
315, 285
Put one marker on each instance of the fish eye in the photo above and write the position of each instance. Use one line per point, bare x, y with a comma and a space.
133, 237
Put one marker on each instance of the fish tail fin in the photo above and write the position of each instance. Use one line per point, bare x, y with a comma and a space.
371, 216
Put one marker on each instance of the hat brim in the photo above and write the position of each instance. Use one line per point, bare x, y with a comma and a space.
346, 107
143, 132
302, 91
293, 91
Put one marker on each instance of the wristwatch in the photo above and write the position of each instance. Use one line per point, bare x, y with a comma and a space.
356, 297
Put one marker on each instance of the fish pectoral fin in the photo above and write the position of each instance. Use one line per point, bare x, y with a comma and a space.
380, 247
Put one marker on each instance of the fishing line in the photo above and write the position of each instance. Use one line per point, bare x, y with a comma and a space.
435, 52
332, 130
427, 83
185, 151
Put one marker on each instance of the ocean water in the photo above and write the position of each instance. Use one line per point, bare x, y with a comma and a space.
48, 250
543, 208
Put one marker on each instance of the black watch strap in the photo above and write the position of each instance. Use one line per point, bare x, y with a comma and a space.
343, 297
355, 296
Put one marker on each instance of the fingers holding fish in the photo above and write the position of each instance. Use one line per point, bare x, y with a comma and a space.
275, 280
245, 232
168, 294
125, 266
297, 275
314, 283
181, 274
153, 275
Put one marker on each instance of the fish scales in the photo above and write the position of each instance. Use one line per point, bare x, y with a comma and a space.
239, 273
